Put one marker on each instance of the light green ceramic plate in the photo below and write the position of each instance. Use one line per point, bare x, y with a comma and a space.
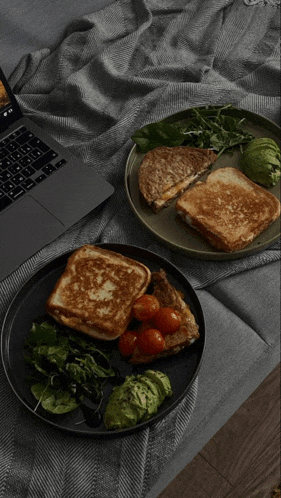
167, 226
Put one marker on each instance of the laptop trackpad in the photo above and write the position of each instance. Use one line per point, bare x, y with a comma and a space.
25, 228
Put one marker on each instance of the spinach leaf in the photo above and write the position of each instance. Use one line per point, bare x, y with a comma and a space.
56, 354
54, 400
153, 135
43, 333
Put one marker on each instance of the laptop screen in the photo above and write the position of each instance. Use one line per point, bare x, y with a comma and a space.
5, 101
9, 109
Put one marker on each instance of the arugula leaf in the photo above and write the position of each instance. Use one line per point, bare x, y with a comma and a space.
91, 367
76, 372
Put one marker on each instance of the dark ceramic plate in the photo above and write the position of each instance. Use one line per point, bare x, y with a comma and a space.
30, 302
167, 225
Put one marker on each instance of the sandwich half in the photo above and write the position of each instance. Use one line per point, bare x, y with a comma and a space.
188, 331
166, 172
228, 209
96, 292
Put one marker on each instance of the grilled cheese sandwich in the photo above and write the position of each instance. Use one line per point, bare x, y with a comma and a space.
228, 209
96, 292
166, 172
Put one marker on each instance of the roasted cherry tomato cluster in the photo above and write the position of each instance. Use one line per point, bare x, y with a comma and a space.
156, 322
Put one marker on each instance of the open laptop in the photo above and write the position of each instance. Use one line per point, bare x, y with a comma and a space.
44, 189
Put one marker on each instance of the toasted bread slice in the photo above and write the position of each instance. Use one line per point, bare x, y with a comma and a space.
188, 331
166, 172
96, 292
228, 209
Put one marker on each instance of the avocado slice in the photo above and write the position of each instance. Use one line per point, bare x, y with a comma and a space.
162, 381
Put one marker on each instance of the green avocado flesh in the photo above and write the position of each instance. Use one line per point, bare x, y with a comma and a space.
137, 399
261, 162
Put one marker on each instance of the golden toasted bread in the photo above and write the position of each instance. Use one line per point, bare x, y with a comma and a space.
96, 292
187, 333
166, 172
228, 209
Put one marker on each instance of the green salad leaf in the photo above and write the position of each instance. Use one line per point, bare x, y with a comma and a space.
208, 128
42, 333
54, 400
64, 366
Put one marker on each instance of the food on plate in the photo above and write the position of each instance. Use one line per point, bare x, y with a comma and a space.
145, 307
150, 341
228, 209
261, 161
126, 343
207, 127
137, 399
96, 292
167, 320
166, 172
145, 347
69, 369
65, 366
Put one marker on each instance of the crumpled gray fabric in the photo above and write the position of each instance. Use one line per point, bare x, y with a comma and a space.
128, 65
114, 71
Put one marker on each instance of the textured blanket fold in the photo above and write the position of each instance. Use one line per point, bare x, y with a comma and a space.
114, 71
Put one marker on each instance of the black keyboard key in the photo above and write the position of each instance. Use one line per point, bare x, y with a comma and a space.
60, 163
25, 137
25, 161
48, 169
15, 134
4, 142
3, 152
4, 202
16, 193
38, 144
12, 146
15, 168
43, 160
40, 178
18, 178
15, 156
28, 171
5, 175
35, 153
5, 163
28, 184
7, 186
25, 149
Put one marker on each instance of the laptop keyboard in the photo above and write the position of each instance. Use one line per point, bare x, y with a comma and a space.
25, 161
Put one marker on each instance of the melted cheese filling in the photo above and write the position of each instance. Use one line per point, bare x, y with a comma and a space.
174, 191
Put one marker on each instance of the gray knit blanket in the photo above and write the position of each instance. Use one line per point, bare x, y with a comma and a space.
134, 62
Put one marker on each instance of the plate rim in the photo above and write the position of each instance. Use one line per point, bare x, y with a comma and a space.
41, 273
190, 252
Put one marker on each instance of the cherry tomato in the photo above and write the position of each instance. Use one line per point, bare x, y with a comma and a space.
127, 342
167, 320
145, 307
150, 341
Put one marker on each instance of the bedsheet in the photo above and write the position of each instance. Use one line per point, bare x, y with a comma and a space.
107, 74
